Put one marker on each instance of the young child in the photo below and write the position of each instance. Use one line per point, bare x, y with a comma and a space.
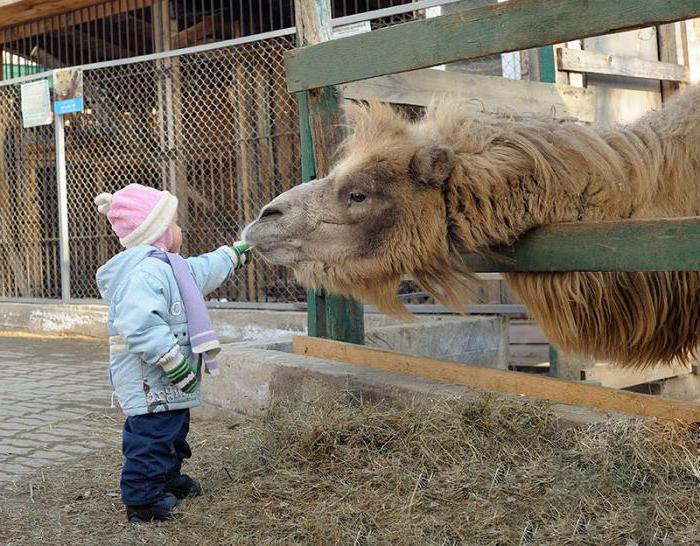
159, 335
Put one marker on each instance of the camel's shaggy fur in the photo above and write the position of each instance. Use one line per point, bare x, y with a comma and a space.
510, 176
455, 182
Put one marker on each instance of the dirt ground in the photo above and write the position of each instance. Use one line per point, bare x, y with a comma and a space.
340, 471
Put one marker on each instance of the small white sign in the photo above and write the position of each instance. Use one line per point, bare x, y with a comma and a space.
36, 104
351, 29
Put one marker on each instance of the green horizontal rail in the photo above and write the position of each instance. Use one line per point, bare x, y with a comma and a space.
499, 28
662, 244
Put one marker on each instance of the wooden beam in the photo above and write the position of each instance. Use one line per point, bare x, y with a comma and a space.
659, 244
199, 32
546, 388
590, 62
508, 26
672, 45
99, 45
322, 131
190, 34
14, 12
490, 93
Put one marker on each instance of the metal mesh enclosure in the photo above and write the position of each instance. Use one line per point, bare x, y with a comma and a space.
214, 126
217, 129
29, 261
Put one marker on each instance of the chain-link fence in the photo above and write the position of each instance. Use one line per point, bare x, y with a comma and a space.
215, 126
29, 264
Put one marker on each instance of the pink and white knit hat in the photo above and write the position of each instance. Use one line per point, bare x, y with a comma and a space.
139, 215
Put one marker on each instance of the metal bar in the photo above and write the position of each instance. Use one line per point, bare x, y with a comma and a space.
128, 30
69, 60
62, 190
119, 28
96, 40
388, 12
104, 32
177, 27
80, 35
143, 26
109, 26
222, 20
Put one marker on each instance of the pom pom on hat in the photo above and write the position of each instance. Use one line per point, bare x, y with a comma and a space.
103, 202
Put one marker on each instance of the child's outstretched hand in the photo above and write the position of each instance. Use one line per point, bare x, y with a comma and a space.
243, 252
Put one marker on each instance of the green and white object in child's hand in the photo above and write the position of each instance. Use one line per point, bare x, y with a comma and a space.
243, 253
180, 371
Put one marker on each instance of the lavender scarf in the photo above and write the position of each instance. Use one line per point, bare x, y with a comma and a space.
202, 336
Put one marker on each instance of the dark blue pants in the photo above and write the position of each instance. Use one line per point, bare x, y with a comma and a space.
154, 446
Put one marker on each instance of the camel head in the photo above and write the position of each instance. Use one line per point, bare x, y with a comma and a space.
379, 216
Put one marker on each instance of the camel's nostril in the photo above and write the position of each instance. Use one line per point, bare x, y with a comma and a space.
270, 211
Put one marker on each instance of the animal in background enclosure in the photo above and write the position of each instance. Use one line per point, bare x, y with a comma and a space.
407, 198
68, 84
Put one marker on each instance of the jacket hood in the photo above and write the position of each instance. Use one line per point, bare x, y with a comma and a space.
112, 274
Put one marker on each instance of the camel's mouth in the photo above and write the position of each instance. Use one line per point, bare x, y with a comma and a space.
269, 241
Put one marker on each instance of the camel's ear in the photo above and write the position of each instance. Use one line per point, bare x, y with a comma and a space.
432, 165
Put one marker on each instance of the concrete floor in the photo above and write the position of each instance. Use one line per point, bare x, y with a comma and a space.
52, 392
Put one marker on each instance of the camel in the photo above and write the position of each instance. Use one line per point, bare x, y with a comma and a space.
406, 198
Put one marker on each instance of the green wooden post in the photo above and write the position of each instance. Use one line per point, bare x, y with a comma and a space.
321, 131
548, 75
547, 68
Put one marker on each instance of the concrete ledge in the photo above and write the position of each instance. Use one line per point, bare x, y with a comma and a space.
482, 341
59, 319
251, 379
91, 320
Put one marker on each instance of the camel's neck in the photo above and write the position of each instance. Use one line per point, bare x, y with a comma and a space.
535, 173
491, 207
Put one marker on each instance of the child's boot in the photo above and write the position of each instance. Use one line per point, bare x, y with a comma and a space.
161, 510
183, 486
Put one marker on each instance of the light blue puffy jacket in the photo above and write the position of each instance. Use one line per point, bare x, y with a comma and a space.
147, 319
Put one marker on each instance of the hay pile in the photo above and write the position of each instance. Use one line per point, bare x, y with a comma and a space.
345, 472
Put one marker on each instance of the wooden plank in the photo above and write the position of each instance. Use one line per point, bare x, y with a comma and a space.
322, 132
197, 33
620, 99
671, 40
613, 65
659, 244
488, 93
509, 26
692, 29
546, 388
618, 378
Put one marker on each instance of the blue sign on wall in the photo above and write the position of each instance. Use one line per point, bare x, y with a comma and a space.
68, 106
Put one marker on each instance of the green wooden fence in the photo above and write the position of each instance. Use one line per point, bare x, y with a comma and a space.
644, 245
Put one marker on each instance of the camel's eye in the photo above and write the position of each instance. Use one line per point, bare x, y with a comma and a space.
356, 197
